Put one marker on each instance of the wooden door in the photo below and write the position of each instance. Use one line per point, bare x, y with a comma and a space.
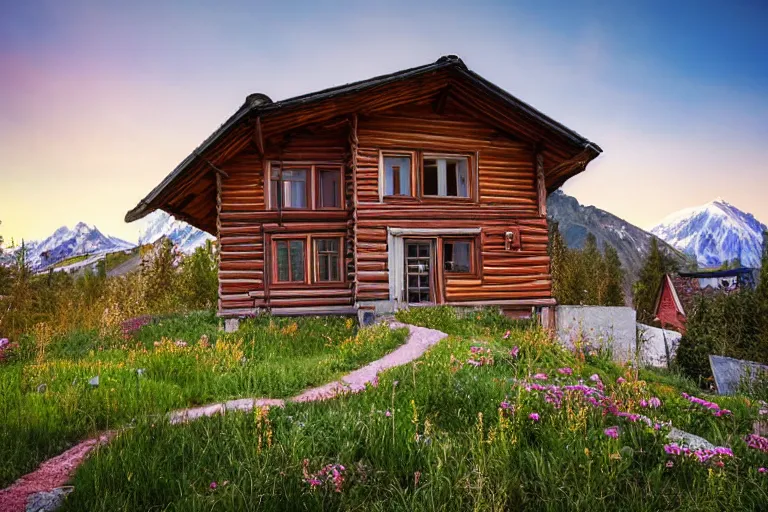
419, 271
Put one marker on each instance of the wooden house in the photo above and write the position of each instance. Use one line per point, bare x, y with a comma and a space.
427, 185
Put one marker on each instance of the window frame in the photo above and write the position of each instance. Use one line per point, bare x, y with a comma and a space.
316, 258
313, 184
474, 263
275, 264
310, 263
413, 155
424, 155
417, 175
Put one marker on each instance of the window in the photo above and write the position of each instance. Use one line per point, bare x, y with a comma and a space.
290, 259
397, 175
305, 186
328, 259
329, 188
445, 177
305, 259
458, 256
288, 188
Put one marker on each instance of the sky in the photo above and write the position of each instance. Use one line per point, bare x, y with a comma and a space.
100, 100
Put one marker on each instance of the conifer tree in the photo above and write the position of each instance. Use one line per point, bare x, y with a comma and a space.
613, 294
592, 268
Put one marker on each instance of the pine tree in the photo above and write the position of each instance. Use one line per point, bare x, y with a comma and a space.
613, 292
558, 254
592, 266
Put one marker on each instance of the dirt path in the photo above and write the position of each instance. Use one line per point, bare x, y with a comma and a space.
57, 471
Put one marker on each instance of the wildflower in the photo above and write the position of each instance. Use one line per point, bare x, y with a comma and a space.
762, 470
670, 463
213, 486
565, 371
594, 377
654, 402
612, 432
416, 478
505, 405
643, 403
474, 363
387, 414
506, 335
621, 380
514, 351
540, 376
757, 442
181, 343
534, 416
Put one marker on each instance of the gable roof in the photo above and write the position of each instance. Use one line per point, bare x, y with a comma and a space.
260, 105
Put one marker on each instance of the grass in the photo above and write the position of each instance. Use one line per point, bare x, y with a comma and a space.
46, 403
444, 433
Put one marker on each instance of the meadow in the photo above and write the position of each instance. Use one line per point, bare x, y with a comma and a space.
495, 417
49, 399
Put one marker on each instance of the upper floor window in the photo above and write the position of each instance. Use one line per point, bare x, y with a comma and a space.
397, 175
295, 186
419, 174
447, 176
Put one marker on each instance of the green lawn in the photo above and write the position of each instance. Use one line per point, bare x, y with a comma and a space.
47, 405
452, 431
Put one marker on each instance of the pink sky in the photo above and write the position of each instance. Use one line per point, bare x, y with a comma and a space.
97, 105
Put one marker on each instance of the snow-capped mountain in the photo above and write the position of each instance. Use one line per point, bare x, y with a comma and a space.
159, 224
714, 233
65, 243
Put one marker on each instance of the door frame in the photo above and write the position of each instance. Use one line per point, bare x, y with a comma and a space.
396, 259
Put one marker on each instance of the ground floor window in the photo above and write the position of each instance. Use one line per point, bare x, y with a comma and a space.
290, 260
295, 263
458, 256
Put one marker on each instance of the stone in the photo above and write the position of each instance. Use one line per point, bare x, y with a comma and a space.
683, 438
94, 381
729, 373
45, 501
231, 324
607, 328
42, 388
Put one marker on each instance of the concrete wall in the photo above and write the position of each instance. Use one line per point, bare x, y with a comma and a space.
652, 349
612, 328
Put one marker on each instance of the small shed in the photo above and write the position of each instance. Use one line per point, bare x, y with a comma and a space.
677, 293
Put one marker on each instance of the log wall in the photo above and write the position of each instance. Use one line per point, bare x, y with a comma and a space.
506, 198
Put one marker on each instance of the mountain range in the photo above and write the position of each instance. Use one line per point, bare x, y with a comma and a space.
65, 243
714, 234
576, 221
159, 224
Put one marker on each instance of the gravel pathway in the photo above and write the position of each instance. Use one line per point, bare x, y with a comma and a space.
57, 471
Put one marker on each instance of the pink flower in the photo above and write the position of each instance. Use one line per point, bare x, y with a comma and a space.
534, 416
565, 371
506, 335
213, 486
180, 343
506, 406
612, 432
762, 470
654, 402
670, 463
514, 351
387, 414
540, 376
594, 377
643, 403
621, 380
474, 363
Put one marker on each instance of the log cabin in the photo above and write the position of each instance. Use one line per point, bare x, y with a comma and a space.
424, 186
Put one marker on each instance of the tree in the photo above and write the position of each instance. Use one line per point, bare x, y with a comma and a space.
592, 267
646, 289
613, 291
199, 278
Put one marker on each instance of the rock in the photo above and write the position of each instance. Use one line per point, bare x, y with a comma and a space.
42, 388
45, 501
693, 442
94, 381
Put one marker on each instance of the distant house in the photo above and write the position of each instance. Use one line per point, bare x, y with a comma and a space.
678, 293
427, 185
